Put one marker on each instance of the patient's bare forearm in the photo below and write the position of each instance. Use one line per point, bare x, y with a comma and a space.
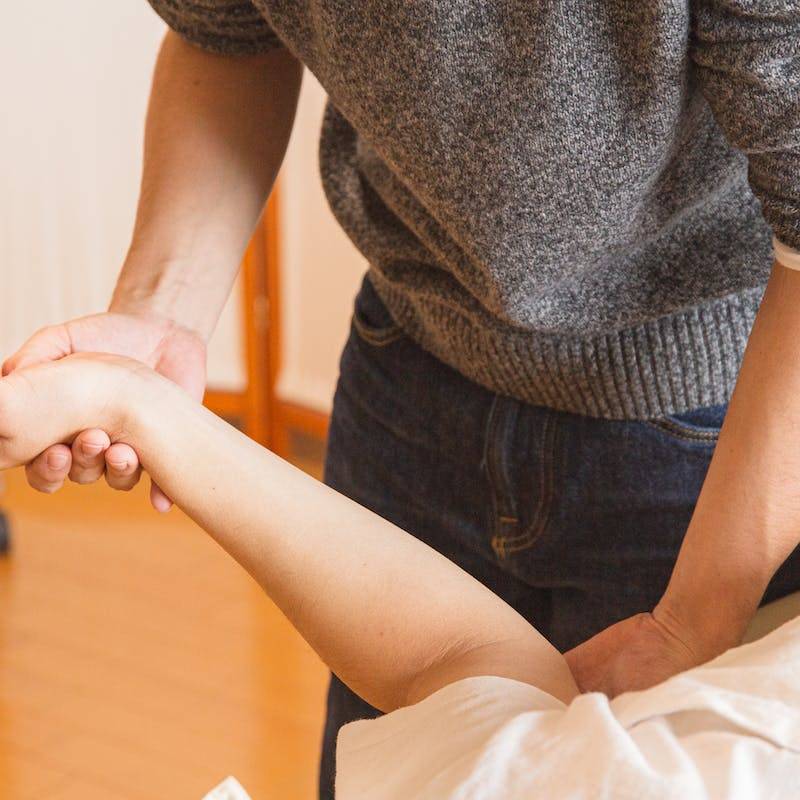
216, 133
747, 519
393, 618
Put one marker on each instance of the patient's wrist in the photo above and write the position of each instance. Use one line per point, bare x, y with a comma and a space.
160, 419
149, 402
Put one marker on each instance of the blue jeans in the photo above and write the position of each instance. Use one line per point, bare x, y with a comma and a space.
576, 522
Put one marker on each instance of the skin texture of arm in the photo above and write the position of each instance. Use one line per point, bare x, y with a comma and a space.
393, 618
216, 133
747, 518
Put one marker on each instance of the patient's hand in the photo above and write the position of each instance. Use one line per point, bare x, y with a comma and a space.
173, 351
636, 653
53, 402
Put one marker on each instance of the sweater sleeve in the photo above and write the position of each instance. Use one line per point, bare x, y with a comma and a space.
748, 57
226, 27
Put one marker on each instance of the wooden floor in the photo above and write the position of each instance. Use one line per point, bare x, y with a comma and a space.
138, 662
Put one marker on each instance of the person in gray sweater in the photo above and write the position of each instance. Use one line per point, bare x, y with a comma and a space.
568, 211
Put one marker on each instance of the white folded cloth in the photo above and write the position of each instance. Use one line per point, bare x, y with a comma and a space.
229, 789
729, 729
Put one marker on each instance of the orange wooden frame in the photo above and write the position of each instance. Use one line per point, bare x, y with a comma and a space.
253, 407
291, 417
263, 417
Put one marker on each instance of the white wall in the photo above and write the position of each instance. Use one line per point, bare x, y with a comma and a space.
74, 78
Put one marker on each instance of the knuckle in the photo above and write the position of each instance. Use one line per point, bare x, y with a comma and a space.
78, 461
123, 469
87, 463
49, 473
118, 467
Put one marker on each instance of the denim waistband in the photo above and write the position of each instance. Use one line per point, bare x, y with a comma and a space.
668, 365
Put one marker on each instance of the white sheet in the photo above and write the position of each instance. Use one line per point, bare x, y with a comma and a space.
729, 729
229, 789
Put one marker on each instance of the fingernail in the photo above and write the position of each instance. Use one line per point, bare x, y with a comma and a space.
119, 466
57, 460
90, 448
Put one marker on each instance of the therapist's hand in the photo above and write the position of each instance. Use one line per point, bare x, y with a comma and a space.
176, 352
633, 654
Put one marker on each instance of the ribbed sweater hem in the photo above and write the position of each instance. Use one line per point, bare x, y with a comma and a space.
684, 360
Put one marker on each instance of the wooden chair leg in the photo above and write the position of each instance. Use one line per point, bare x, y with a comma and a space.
5, 534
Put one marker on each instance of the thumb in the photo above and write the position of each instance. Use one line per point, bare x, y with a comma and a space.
47, 344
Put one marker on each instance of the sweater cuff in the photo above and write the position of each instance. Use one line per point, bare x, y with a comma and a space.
786, 256
775, 179
224, 27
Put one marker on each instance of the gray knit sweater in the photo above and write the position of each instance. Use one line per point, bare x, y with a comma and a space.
553, 195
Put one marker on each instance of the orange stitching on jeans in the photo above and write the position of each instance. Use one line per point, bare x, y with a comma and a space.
378, 337
497, 423
513, 544
680, 432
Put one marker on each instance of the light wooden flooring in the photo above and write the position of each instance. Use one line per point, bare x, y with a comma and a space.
138, 662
